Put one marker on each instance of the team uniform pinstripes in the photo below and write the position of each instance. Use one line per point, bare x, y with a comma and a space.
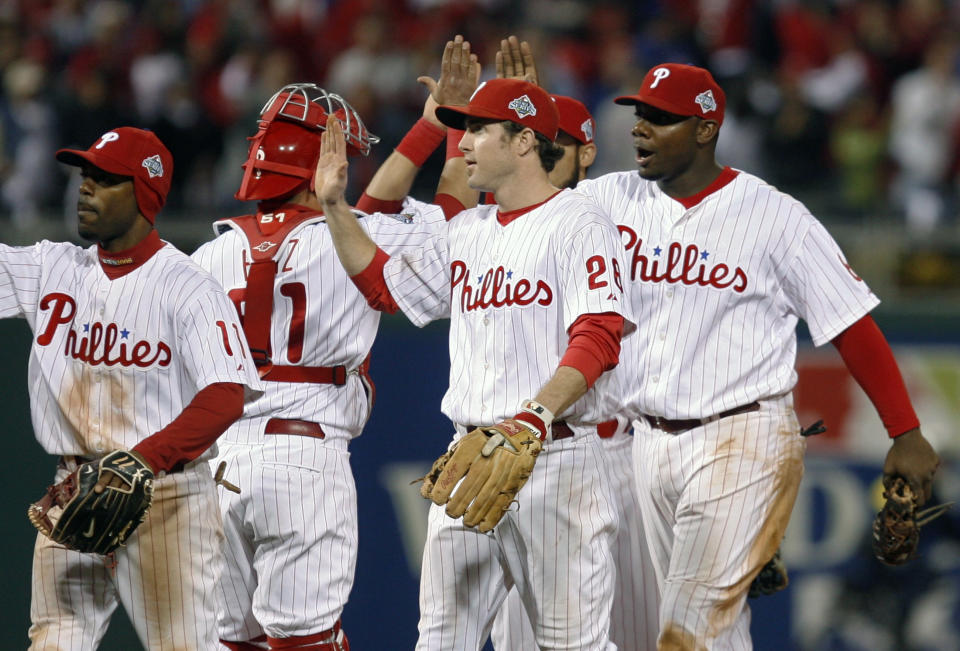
116, 368
112, 362
476, 271
633, 614
757, 271
720, 284
511, 292
338, 326
292, 531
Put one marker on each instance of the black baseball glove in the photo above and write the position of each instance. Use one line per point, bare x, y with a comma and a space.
92, 522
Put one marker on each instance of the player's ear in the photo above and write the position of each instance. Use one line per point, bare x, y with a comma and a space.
526, 141
587, 154
706, 131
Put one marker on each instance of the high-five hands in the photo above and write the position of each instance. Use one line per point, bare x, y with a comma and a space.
330, 177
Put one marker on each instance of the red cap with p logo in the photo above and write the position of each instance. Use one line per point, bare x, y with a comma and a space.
682, 90
137, 153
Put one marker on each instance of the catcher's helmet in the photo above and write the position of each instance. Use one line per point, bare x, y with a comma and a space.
284, 151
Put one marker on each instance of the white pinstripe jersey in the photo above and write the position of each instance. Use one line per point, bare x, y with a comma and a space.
510, 293
719, 289
319, 316
114, 361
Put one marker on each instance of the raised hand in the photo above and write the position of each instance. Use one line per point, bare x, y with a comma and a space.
459, 76
515, 61
330, 178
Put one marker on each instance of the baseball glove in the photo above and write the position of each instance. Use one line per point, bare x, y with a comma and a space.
896, 529
494, 464
772, 578
90, 522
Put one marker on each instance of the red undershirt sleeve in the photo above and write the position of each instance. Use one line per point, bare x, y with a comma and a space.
867, 355
371, 205
371, 284
198, 426
594, 344
450, 205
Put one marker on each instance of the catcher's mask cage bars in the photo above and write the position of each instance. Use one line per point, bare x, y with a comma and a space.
301, 105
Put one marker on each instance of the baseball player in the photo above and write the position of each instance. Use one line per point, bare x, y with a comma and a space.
531, 290
134, 347
725, 265
291, 533
633, 618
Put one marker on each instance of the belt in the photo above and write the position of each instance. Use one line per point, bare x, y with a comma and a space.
560, 430
682, 425
336, 375
294, 427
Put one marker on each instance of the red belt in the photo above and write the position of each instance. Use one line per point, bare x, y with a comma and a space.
562, 431
336, 375
294, 427
682, 425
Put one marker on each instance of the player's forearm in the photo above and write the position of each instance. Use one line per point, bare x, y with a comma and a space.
867, 355
354, 247
198, 426
565, 387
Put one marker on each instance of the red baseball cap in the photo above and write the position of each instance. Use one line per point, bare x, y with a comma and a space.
575, 119
133, 152
515, 100
680, 89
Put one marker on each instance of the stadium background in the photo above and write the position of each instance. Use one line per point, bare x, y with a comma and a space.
852, 106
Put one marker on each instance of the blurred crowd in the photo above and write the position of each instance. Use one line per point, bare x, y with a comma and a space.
851, 105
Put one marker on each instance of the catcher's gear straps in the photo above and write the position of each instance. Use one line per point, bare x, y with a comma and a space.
264, 242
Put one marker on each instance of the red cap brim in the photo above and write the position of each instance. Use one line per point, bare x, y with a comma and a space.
455, 117
656, 102
77, 158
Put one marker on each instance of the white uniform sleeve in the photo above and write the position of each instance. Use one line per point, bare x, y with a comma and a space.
399, 234
20, 272
591, 270
213, 345
419, 280
822, 287
428, 213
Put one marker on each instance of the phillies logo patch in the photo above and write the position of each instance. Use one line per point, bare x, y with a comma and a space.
706, 101
495, 288
523, 107
154, 166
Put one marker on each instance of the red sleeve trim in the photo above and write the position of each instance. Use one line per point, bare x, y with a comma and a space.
198, 426
370, 204
867, 355
450, 205
594, 344
421, 141
371, 284
453, 143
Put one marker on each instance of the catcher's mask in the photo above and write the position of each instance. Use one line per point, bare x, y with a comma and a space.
283, 153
